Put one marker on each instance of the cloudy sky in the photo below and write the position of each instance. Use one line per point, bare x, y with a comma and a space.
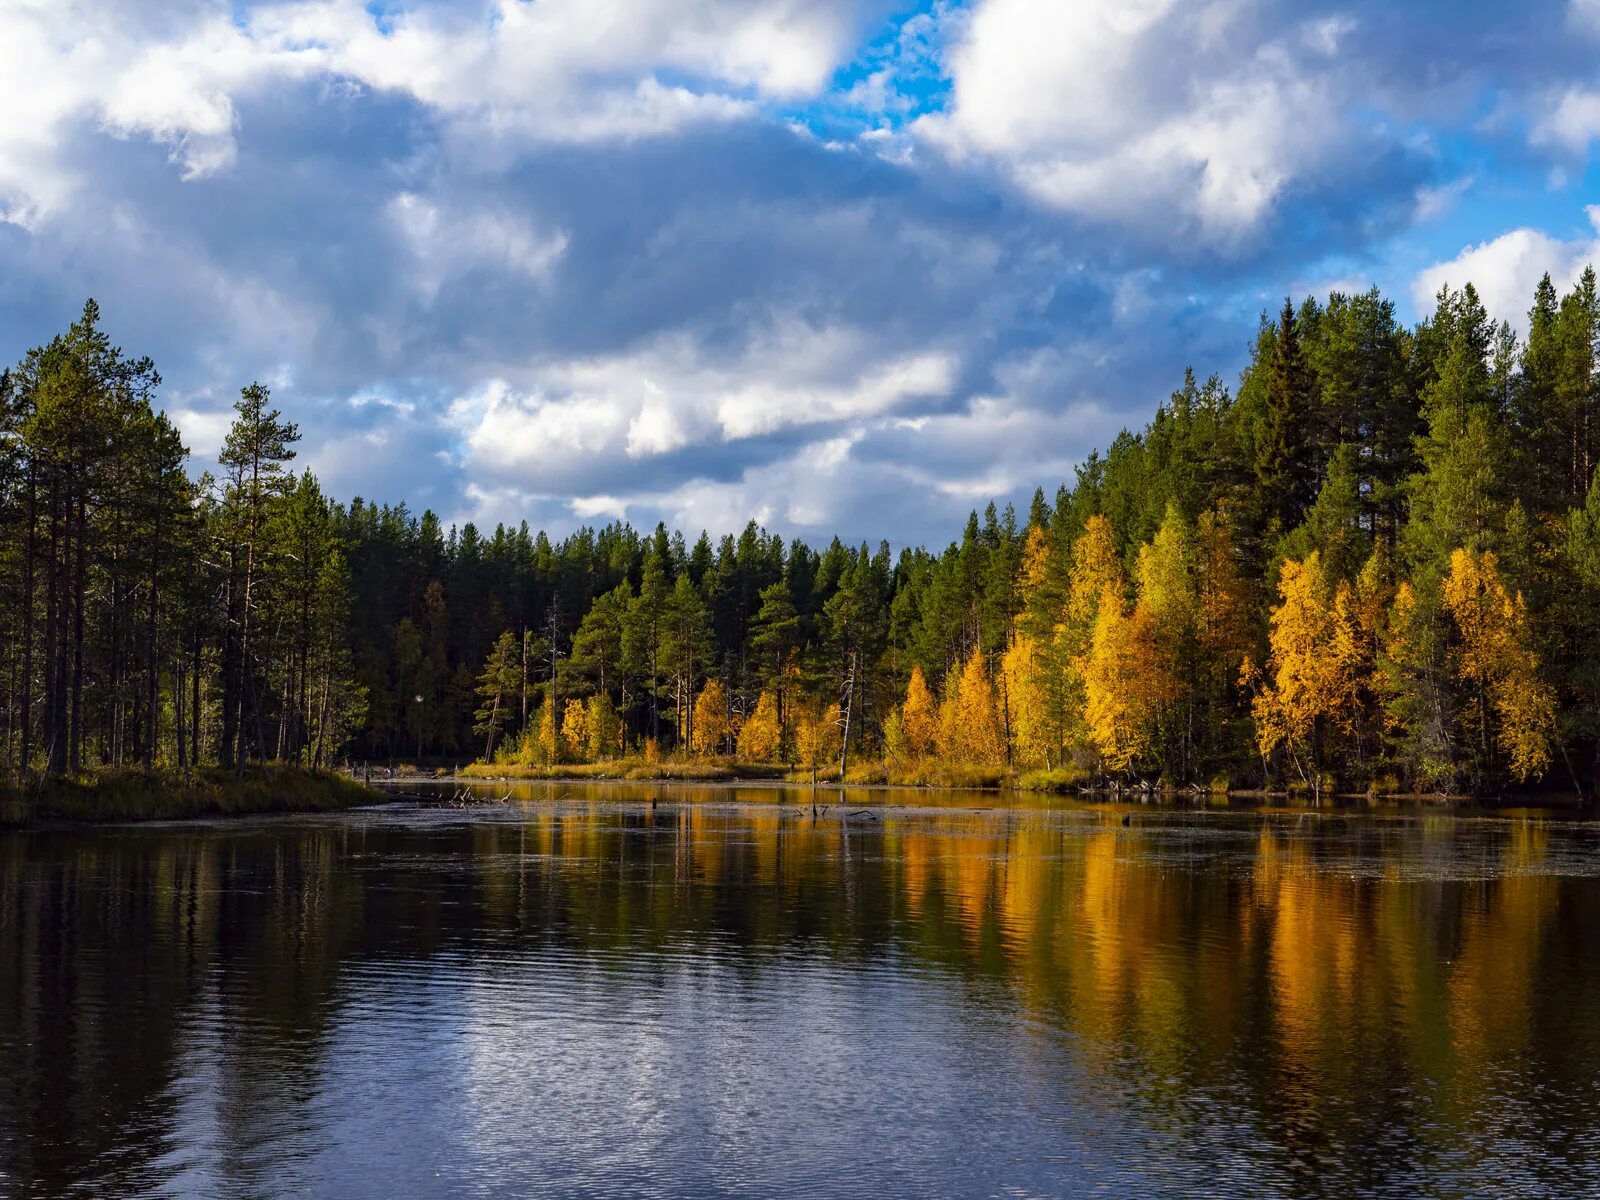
840, 265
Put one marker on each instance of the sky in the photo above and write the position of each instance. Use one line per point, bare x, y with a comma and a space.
840, 266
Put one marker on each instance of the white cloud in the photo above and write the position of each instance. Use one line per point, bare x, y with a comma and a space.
445, 243
1572, 122
1435, 201
586, 508
1506, 270
1147, 112
673, 393
556, 70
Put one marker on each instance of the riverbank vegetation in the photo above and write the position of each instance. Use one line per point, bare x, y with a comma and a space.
135, 794
1374, 564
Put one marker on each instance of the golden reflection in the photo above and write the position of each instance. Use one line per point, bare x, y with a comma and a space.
1279, 959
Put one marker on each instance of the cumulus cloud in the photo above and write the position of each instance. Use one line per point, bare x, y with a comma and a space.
557, 70
1152, 111
676, 392
1572, 122
1506, 269
814, 262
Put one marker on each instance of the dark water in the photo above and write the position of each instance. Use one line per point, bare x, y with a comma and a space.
582, 995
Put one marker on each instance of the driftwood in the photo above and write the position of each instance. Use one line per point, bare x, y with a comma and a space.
460, 798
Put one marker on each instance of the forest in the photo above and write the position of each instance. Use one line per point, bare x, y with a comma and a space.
1372, 565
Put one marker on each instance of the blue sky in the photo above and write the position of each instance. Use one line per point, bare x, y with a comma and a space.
841, 265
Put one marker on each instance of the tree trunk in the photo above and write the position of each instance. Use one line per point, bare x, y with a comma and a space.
29, 553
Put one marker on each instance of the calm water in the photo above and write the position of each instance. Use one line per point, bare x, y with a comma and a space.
585, 994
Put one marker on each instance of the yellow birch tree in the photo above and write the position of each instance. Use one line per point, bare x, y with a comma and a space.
574, 730
1127, 680
761, 739
709, 729
605, 730
1310, 693
1496, 660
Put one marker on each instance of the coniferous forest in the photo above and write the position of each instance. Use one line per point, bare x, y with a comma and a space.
1372, 564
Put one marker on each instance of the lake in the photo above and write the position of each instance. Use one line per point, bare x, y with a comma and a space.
631, 990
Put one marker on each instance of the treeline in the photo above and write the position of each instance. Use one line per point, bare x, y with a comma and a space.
1375, 564
149, 617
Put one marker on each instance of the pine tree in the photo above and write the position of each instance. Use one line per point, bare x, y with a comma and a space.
1285, 461
496, 685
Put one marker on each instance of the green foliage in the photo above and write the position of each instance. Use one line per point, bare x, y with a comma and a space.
154, 620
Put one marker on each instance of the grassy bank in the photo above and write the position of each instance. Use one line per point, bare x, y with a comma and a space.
169, 795
927, 773
689, 770
930, 773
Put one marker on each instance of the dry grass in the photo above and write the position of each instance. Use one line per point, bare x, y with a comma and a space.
633, 768
1055, 779
167, 795
927, 772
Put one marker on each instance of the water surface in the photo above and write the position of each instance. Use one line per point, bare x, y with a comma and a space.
626, 990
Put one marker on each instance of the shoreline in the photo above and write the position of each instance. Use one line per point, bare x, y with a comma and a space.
136, 796
116, 797
1173, 798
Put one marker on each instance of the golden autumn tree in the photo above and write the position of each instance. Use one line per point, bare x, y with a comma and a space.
1096, 573
1127, 680
761, 737
574, 730
1310, 694
919, 716
1495, 659
1034, 725
817, 734
969, 720
1096, 567
603, 726
544, 748
1167, 588
709, 726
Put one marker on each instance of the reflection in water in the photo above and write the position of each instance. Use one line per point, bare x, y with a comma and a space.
716, 993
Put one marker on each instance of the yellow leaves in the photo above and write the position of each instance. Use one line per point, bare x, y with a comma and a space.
1033, 726
1038, 563
604, 727
1127, 678
1166, 575
708, 729
545, 738
1527, 712
1095, 568
969, 724
1497, 658
817, 734
574, 730
1313, 675
761, 737
919, 717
